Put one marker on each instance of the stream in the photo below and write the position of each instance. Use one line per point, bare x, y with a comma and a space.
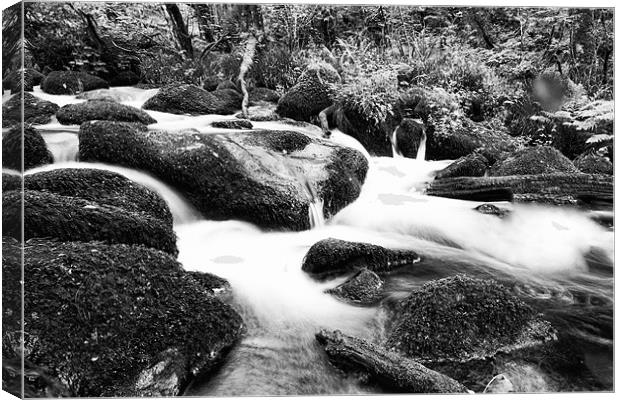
560, 254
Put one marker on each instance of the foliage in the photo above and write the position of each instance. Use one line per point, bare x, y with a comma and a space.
371, 97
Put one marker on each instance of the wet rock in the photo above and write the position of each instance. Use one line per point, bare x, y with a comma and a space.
594, 164
474, 164
211, 83
125, 78
36, 110
233, 124
394, 373
409, 136
133, 322
34, 148
533, 160
267, 178
230, 98
363, 288
71, 82
460, 319
190, 99
330, 257
31, 78
76, 114
492, 209
313, 92
227, 85
374, 136
262, 94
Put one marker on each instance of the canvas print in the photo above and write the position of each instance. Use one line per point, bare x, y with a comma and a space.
229, 199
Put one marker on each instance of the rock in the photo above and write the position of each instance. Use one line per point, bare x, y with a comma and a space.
226, 85
395, 374
461, 319
11, 182
233, 124
104, 94
71, 82
36, 110
262, 177
545, 188
190, 99
262, 94
76, 114
408, 137
261, 113
31, 78
591, 163
211, 83
331, 257
313, 92
474, 164
230, 98
119, 320
492, 209
533, 160
364, 288
35, 150
374, 136
125, 78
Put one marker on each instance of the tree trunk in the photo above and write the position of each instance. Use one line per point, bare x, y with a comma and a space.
480, 27
180, 29
246, 63
204, 15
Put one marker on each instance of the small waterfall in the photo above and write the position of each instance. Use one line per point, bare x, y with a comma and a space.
315, 208
64, 146
421, 154
395, 151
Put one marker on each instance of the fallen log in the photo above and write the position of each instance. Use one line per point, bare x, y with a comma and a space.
389, 370
556, 188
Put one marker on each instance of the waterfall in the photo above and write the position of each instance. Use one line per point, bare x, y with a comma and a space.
315, 208
395, 151
421, 154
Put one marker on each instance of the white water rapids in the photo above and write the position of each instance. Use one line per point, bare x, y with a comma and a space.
546, 248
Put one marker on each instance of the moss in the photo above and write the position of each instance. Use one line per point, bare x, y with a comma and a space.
211, 83
346, 175
375, 137
36, 111
190, 99
11, 182
594, 164
228, 84
474, 164
76, 114
31, 78
49, 215
364, 288
280, 141
457, 317
99, 315
230, 99
408, 136
71, 82
533, 160
35, 150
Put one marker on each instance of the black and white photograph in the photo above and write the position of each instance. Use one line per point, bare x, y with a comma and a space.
211, 199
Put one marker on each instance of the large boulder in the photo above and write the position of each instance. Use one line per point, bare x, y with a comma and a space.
474, 164
71, 82
190, 99
533, 160
76, 114
331, 257
392, 372
268, 178
31, 78
461, 319
363, 288
409, 135
35, 110
34, 149
117, 320
591, 163
313, 92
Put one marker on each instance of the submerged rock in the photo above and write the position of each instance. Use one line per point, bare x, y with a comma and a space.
267, 178
394, 373
492, 209
35, 110
533, 160
190, 99
71, 82
330, 257
76, 114
474, 164
119, 320
363, 288
31, 78
233, 124
34, 149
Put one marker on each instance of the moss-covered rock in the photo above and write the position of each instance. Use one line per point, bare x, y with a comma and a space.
36, 110
363, 288
71, 82
227, 84
313, 92
65, 218
229, 98
266, 177
331, 257
119, 320
590, 163
233, 124
190, 99
31, 78
409, 135
461, 318
76, 114
211, 83
474, 164
533, 160
124, 78
262, 94
34, 148
11, 182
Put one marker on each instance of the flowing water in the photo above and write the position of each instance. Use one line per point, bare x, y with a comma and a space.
556, 255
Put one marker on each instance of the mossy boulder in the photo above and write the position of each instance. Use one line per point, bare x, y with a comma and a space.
363, 288
71, 82
34, 148
461, 318
233, 124
267, 178
211, 83
533, 160
190, 99
230, 99
119, 320
125, 78
13, 80
409, 136
474, 164
36, 110
330, 257
314, 91
76, 114
227, 84
262, 94
591, 163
